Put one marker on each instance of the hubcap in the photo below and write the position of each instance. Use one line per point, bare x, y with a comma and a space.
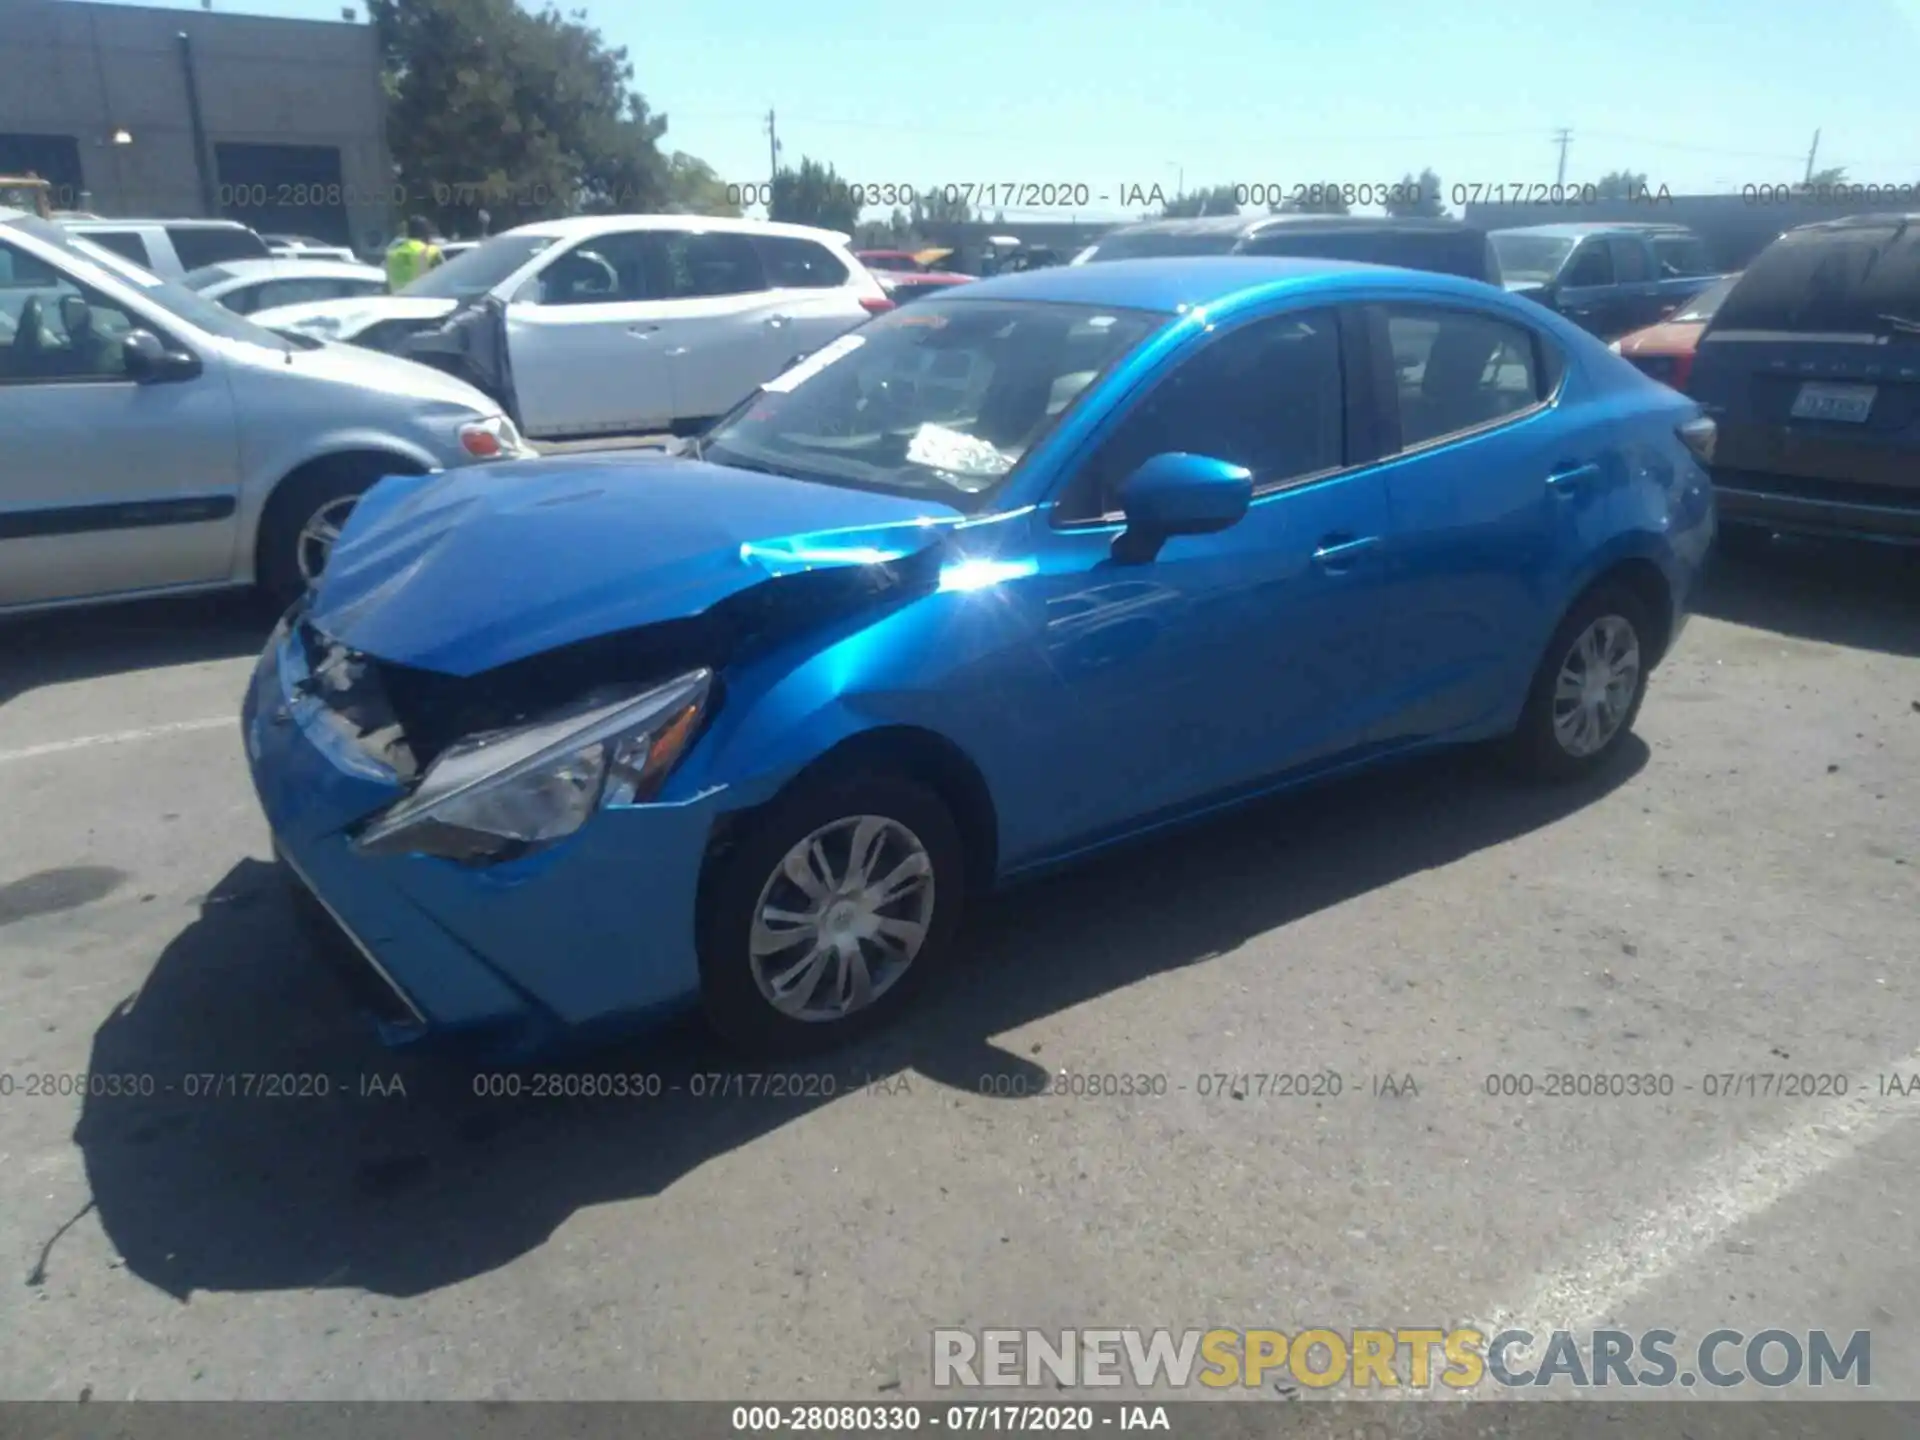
1596, 685
841, 918
310, 551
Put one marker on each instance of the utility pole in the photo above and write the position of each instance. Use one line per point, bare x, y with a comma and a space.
1812, 151
1562, 138
773, 160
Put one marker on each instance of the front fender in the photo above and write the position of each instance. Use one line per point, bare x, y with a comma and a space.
272, 463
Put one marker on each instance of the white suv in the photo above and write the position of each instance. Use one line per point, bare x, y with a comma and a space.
616, 324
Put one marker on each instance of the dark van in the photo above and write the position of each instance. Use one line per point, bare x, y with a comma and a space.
1444, 246
1811, 367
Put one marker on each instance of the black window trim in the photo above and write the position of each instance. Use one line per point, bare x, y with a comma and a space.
1386, 382
1354, 432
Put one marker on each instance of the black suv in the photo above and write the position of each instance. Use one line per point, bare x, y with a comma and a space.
1445, 246
1811, 367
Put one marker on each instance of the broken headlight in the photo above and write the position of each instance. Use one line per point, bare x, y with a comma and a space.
501, 794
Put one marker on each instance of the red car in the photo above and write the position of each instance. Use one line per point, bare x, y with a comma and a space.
1665, 351
907, 262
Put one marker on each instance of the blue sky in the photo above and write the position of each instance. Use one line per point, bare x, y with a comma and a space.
1702, 95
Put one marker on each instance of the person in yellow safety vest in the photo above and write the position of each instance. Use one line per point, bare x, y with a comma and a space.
412, 257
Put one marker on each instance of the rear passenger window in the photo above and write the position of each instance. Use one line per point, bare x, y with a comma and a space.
795, 264
713, 263
1629, 260
1456, 371
1679, 256
1590, 266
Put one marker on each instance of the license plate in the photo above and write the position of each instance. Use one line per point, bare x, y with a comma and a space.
1820, 401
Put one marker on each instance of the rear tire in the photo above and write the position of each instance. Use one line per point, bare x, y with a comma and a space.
789, 895
1587, 692
303, 518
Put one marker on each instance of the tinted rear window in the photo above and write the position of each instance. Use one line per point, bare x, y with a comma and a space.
1464, 254
1843, 282
125, 243
197, 247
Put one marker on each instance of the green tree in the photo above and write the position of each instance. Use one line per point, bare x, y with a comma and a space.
935, 206
694, 189
1621, 184
1323, 199
1824, 179
1417, 196
814, 194
1209, 200
521, 114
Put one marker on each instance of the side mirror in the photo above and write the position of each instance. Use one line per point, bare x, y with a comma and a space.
150, 362
1179, 494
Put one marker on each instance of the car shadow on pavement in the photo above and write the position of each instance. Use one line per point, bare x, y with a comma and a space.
217, 1176
69, 645
1837, 592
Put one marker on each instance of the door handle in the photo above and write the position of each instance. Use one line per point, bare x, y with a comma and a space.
1570, 478
641, 330
775, 322
1337, 554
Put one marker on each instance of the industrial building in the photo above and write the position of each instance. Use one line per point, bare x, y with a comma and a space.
133, 111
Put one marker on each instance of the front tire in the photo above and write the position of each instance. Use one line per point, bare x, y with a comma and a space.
1588, 689
830, 913
303, 519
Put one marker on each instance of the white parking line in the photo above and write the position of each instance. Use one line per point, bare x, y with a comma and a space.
1726, 1192
119, 737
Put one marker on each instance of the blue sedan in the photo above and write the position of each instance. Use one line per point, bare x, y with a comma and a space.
996, 581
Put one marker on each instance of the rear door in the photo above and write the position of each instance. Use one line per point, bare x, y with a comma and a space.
730, 331
1636, 291
588, 338
1682, 268
1586, 294
1481, 530
106, 485
1812, 369
814, 294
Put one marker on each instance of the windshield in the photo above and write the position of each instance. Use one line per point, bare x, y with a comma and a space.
476, 271
1857, 280
174, 298
939, 400
1704, 305
1151, 244
1530, 259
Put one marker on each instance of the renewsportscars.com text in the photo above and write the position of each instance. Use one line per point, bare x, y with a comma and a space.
1401, 1357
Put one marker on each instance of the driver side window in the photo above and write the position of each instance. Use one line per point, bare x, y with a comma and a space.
54, 330
1267, 395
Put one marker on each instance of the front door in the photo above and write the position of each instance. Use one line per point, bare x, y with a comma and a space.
1586, 294
1228, 658
588, 338
106, 485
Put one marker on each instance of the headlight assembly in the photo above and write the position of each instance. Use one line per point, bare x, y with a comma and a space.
504, 793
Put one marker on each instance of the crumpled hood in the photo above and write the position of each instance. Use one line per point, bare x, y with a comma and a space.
467, 570
344, 319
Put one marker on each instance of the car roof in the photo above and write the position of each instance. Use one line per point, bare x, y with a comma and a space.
1874, 221
581, 227
1189, 282
8, 213
1580, 229
123, 222
1254, 224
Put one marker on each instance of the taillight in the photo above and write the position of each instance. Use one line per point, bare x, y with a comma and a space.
1698, 435
875, 304
1682, 367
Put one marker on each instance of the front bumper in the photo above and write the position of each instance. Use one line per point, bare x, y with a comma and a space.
592, 937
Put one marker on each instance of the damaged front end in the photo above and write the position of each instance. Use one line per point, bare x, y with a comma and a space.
500, 764
470, 345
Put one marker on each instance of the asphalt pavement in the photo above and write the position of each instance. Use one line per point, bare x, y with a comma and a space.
1741, 896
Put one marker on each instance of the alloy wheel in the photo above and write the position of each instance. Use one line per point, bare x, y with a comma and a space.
1595, 687
316, 539
841, 918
